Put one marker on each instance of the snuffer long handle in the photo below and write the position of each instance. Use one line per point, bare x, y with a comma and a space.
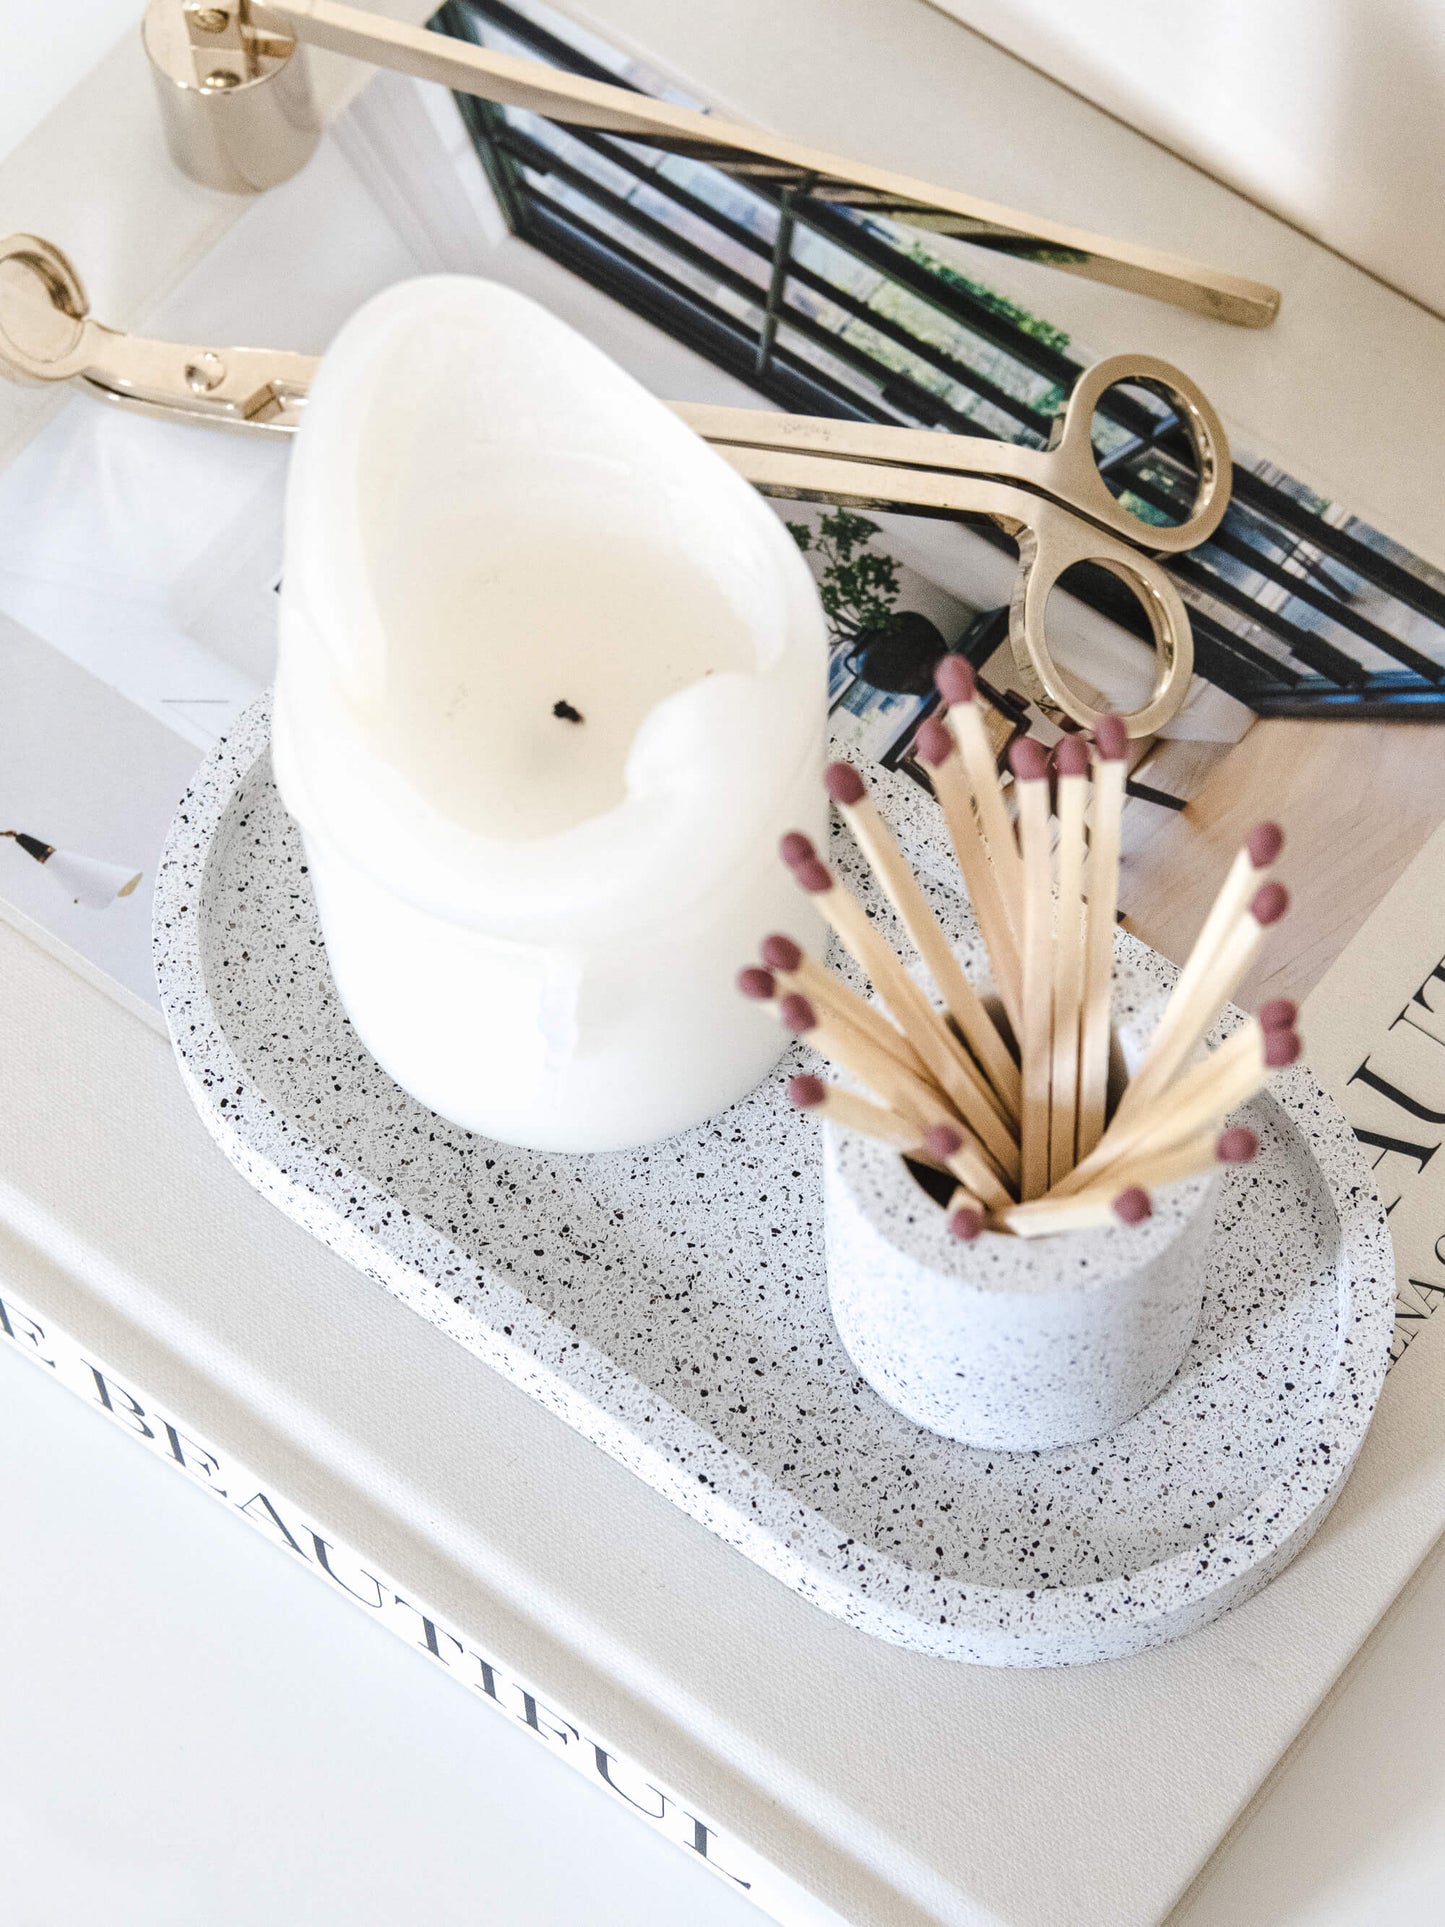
511, 81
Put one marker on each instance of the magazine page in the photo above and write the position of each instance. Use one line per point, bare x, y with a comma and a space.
1374, 1030
139, 574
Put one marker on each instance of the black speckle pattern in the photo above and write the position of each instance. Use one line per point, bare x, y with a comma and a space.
671, 1302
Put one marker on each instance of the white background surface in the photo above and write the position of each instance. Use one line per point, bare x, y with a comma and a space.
1327, 112
193, 1731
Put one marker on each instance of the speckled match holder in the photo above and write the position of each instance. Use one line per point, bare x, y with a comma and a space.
671, 1304
1019, 1343
1016, 1343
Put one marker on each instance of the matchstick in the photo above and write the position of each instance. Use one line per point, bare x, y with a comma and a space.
1111, 740
848, 790
965, 1221
980, 1185
854, 1113
796, 970
1186, 1159
850, 1052
958, 686
1071, 762
1201, 1100
1094, 1212
925, 1029
938, 752
1030, 765
1188, 1016
910, 1090
1249, 872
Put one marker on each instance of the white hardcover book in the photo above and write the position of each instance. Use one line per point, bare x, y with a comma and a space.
827, 1769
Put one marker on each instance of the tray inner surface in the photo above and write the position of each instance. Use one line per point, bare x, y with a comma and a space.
697, 1267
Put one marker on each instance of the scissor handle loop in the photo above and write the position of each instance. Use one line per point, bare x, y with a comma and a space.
1055, 543
44, 331
1077, 469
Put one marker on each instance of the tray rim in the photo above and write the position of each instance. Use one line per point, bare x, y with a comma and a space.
942, 1616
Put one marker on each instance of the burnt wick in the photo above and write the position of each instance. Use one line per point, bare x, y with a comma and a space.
566, 712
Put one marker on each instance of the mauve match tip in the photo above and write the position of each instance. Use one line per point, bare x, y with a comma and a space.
807, 1092
1071, 756
813, 877
1028, 759
1278, 1014
780, 952
844, 784
1269, 903
1133, 1206
955, 681
933, 742
757, 984
1266, 840
1236, 1145
795, 848
965, 1224
1111, 739
798, 1014
1281, 1047
942, 1141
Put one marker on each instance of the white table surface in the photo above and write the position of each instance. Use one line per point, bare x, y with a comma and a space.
147, 1777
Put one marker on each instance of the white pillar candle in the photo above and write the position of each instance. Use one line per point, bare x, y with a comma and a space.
551, 686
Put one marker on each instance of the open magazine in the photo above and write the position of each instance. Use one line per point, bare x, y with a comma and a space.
141, 560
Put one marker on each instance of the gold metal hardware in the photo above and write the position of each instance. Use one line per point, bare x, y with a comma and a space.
252, 125
47, 334
1053, 502
235, 102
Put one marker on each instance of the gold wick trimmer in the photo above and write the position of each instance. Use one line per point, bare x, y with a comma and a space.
1053, 502
239, 115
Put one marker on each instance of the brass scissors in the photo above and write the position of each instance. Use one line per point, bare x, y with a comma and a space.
1053, 502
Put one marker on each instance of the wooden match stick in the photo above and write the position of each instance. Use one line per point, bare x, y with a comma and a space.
1071, 762
905, 1090
1186, 1159
1098, 1209
796, 970
1030, 765
1111, 740
1249, 871
854, 1113
925, 1029
844, 1047
1187, 1017
980, 1184
1215, 1076
1201, 1100
848, 790
958, 686
938, 752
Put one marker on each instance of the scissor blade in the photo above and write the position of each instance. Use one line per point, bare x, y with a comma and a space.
856, 441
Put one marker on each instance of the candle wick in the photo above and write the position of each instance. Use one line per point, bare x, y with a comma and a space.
567, 713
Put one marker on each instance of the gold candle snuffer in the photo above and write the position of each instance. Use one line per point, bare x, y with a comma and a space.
238, 115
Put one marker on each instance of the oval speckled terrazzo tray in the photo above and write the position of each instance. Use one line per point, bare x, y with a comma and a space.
670, 1303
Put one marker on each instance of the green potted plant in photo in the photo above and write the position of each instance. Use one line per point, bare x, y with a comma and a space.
891, 648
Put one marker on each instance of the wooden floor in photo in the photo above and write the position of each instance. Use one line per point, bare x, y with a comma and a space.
1356, 801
